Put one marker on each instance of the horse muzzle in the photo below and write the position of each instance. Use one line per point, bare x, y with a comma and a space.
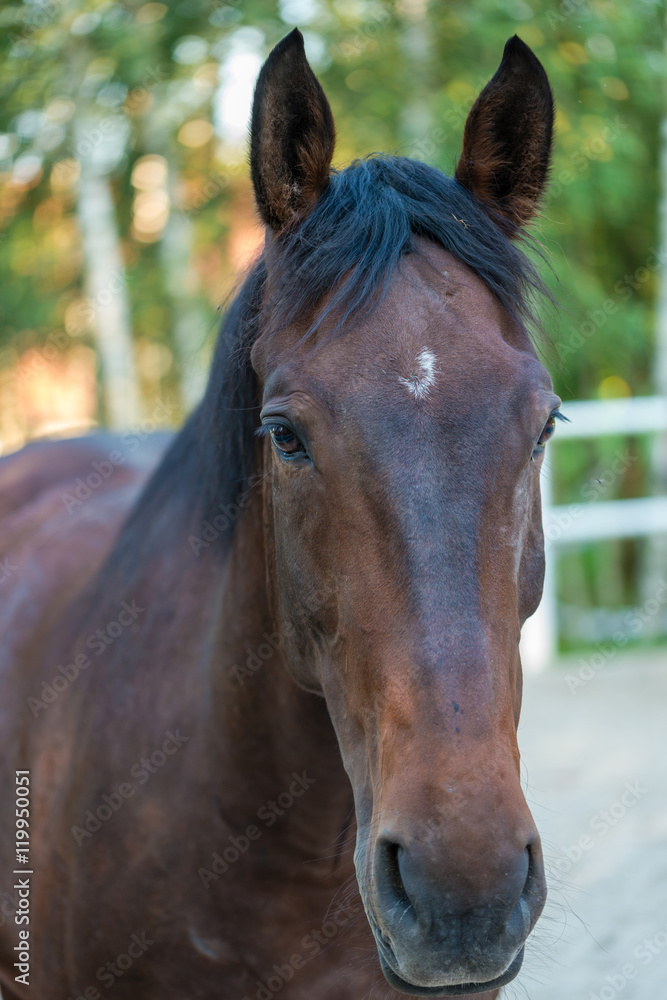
431, 941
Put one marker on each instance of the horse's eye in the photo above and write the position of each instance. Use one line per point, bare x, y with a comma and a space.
547, 432
285, 440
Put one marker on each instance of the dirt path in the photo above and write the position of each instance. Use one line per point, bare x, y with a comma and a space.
595, 766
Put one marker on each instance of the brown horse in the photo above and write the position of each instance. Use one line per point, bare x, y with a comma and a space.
298, 628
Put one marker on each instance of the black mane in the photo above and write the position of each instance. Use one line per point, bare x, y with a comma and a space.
365, 222
360, 228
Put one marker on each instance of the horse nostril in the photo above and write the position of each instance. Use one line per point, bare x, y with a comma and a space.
533, 889
531, 900
390, 880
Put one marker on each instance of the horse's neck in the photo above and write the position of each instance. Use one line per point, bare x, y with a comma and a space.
272, 736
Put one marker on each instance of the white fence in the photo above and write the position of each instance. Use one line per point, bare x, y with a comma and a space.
592, 520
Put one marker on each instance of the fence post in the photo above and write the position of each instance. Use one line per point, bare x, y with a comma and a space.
539, 636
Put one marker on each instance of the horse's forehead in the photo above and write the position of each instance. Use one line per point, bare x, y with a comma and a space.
437, 324
437, 335
433, 303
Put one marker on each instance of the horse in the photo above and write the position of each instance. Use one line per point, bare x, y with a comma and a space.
260, 680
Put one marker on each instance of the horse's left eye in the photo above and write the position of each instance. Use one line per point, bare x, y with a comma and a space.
285, 440
547, 432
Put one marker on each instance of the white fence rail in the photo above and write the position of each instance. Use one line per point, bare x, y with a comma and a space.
591, 520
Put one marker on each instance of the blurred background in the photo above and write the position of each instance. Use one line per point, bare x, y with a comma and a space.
126, 221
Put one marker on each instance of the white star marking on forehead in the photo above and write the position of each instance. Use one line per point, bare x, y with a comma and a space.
422, 377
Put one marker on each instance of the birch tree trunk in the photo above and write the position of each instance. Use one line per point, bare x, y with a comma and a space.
190, 326
105, 279
416, 117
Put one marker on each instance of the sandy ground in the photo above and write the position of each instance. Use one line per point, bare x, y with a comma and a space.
595, 769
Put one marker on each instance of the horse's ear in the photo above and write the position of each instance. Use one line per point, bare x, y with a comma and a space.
291, 135
507, 139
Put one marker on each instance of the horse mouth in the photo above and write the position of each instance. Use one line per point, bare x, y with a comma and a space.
463, 989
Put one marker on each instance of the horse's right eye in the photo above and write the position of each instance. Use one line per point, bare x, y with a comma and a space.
285, 440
